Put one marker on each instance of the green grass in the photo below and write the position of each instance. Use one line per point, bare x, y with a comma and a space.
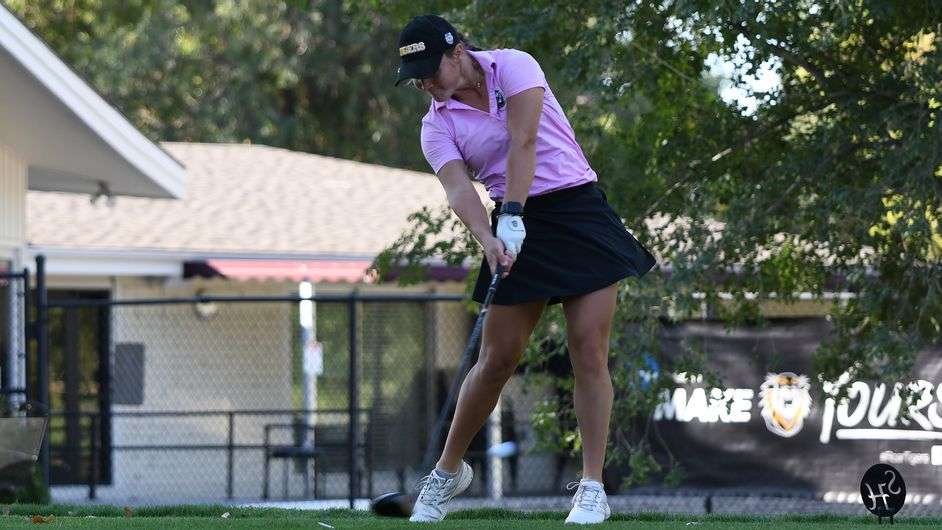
211, 517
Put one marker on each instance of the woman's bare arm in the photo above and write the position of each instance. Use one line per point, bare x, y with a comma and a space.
467, 204
523, 119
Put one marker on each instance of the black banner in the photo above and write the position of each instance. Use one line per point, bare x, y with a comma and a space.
769, 428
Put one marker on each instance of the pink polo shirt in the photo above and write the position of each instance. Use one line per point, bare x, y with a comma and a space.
454, 131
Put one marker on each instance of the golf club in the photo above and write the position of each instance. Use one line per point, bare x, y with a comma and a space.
399, 504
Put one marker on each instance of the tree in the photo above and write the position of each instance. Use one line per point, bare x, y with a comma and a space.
303, 75
832, 183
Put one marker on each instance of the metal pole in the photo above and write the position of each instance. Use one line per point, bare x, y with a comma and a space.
354, 395
311, 361
230, 450
432, 315
8, 374
495, 474
42, 347
93, 465
25, 371
106, 357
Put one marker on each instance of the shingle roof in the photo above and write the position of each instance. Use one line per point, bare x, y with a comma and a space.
246, 198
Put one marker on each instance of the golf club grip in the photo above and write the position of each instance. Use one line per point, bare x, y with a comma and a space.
473, 343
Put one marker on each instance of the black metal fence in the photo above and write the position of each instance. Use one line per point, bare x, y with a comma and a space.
226, 462
189, 389
213, 398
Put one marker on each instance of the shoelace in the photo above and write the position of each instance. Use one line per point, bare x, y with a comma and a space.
587, 498
431, 486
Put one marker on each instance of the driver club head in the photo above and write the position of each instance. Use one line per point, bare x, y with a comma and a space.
394, 504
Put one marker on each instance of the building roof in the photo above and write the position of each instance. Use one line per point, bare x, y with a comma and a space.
69, 137
244, 200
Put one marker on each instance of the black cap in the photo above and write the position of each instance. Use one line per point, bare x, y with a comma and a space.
421, 45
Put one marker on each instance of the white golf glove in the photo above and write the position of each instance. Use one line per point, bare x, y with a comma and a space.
511, 232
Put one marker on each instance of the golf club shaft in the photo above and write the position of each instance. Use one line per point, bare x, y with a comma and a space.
473, 343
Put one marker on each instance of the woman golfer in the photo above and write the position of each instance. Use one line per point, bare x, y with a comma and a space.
494, 118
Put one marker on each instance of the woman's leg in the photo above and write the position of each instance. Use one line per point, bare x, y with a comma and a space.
507, 329
588, 324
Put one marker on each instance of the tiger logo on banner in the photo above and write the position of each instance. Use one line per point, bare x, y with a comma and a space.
785, 401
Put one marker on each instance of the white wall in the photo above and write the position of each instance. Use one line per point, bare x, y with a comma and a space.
12, 202
12, 235
238, 359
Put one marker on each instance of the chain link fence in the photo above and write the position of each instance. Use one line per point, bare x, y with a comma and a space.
235, 399
13, 317
206, 398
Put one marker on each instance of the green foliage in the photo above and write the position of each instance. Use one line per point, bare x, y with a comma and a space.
832, 182
33, 492
427, 240
308, 76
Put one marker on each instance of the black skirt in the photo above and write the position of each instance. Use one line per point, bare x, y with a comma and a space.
575, 244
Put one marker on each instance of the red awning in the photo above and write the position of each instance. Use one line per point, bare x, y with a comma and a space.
352, 271
339, 271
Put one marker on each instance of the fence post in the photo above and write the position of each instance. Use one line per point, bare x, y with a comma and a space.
28, 333
93, 464
230, 450
431, 365
42, 347
354, 392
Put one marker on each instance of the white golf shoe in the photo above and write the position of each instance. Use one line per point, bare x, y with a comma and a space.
589, 504
436, 491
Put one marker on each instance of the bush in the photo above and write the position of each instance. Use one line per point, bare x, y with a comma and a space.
25, 485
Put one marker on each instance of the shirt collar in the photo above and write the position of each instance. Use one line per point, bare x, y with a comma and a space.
486, 60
